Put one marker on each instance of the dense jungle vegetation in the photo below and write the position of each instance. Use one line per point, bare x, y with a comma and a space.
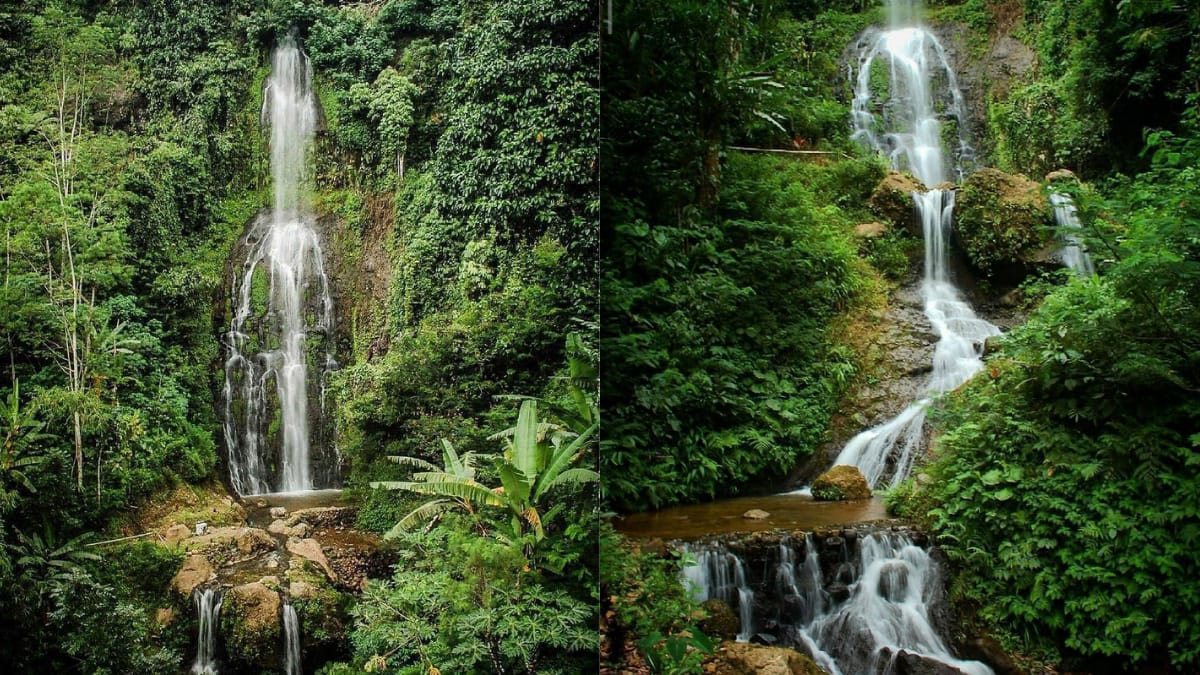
1063, 479
456, 165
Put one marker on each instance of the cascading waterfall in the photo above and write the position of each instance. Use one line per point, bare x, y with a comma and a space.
889, 585
291, 633
208, 608
283, 312
909, 129
719, 574
1066, 216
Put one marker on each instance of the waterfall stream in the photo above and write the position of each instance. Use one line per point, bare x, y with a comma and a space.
291, 633
279, 340
1066, 216
908, 128
208, 609
854, 607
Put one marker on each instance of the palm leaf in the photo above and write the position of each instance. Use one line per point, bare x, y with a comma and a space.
573, 476
414, 461
525, 442
562, 458
422, 514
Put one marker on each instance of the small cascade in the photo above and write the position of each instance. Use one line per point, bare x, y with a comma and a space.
279, 340
291, 636
719, 574
208, 608
907, 127
854, 606
1066, 216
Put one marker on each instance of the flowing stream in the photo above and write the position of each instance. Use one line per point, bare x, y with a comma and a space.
291, 633
1066, 216
279, 343
908, 127
208, 608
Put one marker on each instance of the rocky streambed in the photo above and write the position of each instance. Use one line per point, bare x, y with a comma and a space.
309, 559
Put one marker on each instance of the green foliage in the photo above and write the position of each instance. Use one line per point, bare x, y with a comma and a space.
459, 602
717, 386
650, 606
1066, 483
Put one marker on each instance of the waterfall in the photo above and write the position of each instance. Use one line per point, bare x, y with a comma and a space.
889, 587
909, 130
1066, 216
208, 608
720, 575
291, 632
283, 311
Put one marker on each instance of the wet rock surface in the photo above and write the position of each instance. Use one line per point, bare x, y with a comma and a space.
736, 658
841, 483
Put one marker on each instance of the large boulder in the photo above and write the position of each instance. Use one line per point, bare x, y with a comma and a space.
907, 663
248, 541
250, 625
310, 549
842, 482
1004, 224
738, 658
892, 200
195, 572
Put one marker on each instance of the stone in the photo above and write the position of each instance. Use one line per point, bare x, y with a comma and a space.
165, 616
893, 581
323, 516
838, 591
250, 626
278, 512
301, 590
907, 663
247, 540
842, 482
310, 549
196, 571
892, 200
870, 230
177, 533
756, 514
990, 651
736, 658
722, 622
1061, 176
1003, 222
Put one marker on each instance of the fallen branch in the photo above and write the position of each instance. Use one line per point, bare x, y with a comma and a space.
113, 541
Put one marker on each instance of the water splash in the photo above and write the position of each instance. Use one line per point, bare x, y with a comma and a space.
283, 315
208, 608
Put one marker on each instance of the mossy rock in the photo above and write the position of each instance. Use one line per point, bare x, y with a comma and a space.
250, 625
1004, 224
722, 622
841, 483
320, 607
892, 200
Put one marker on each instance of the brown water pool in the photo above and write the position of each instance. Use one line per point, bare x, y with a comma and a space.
788, 511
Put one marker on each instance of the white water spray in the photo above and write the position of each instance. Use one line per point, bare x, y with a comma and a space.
908, 129
267, 374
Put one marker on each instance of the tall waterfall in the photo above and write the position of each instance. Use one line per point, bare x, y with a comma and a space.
908, 128
291, 636
279, 342
1066, 216
208, 608
854, 608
